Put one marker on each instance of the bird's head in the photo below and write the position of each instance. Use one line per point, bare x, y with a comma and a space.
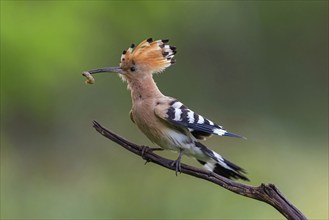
147, 58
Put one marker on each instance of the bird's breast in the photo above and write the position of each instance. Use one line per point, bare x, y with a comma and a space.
156, 129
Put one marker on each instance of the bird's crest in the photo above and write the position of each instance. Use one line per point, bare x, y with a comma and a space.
149, 56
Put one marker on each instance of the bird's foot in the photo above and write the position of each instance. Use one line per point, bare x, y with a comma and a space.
177, 163
146, 149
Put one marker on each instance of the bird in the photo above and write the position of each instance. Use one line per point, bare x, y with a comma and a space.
165, 120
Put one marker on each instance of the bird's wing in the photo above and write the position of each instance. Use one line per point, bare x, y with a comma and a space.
178, 114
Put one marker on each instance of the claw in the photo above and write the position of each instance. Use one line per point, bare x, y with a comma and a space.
146, 149
177, 163
177, 166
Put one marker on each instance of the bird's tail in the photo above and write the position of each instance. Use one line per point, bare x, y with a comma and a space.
221, 166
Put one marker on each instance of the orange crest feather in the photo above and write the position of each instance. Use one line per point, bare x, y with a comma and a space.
149, 56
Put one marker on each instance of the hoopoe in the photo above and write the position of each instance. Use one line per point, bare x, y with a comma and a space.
164, 120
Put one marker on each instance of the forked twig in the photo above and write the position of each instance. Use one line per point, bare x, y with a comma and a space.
267, 193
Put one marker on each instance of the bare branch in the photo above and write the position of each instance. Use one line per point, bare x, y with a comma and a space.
267, 193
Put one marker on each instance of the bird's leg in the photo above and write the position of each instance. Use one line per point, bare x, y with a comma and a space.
146, 149
177, 163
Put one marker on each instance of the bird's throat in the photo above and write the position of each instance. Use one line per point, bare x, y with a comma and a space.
143, 88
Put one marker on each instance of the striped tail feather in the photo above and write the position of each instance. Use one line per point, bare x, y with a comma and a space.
233, 172
221, 166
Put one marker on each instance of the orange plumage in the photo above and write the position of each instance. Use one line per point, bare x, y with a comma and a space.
148, 57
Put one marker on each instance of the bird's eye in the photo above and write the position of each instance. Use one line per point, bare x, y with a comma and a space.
132, 69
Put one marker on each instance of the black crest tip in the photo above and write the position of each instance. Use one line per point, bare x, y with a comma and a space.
150, 40
173, 48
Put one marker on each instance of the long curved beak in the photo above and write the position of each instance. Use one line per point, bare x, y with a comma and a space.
106, 69
91, 80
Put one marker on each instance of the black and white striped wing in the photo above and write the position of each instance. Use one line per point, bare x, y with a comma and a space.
200, 127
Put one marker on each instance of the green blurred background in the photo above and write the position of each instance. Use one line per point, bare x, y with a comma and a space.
259, 68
